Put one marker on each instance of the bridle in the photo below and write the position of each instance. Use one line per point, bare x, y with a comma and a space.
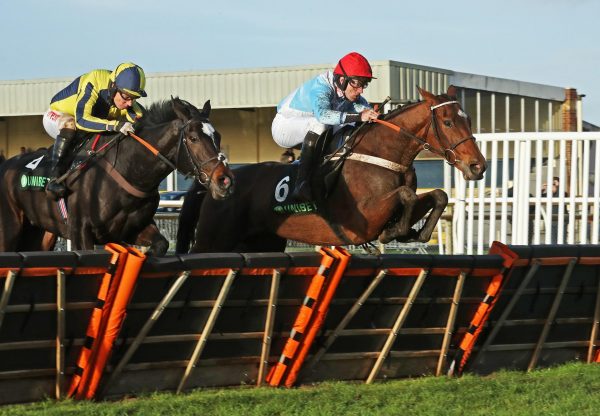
448, 153
199, 174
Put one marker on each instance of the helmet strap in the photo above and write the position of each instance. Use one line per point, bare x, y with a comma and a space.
112, 90
346, 78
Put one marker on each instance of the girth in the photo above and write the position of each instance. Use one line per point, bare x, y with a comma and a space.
113, 173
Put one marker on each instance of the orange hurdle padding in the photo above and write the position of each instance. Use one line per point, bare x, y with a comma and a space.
277, 372
597, 356
115, 268
475, 327
482, 314
116, 316
323, 303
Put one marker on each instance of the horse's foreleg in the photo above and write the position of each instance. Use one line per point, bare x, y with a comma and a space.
151, 236
407, 201
80, 234
49, 241
436, 201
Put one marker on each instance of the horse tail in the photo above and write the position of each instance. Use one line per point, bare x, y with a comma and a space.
188, 217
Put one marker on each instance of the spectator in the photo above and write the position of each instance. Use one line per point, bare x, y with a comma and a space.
555, 192
554, 188
288, 156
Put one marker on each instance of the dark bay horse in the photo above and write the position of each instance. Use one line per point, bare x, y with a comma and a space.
115, 196
374, 196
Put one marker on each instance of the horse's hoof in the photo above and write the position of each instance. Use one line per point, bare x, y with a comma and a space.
371, 249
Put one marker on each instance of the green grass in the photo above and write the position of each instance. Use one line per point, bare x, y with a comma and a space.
572, 389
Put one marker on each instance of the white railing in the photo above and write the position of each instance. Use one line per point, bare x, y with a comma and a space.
177, 203
509, 205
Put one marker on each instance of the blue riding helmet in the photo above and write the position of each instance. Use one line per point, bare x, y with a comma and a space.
130, 78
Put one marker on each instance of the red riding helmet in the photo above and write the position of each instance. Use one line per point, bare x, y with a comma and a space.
354, 65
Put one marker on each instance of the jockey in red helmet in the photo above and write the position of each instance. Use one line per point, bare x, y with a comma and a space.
99, 101
331, 99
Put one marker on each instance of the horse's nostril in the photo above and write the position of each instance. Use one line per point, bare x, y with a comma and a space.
225, 182
477, 168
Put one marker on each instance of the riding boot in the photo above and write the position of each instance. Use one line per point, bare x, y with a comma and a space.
302, 190
56, 190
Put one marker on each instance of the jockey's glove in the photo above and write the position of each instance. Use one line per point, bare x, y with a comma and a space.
125, 127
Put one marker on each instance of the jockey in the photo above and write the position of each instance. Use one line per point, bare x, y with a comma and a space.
330, 99
99, 101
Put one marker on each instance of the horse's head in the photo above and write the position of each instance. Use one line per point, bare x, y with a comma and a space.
201, 143
449, 134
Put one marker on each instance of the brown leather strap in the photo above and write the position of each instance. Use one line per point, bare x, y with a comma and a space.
103, 163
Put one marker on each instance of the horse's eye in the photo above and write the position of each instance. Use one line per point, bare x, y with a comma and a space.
194, 137
447, 123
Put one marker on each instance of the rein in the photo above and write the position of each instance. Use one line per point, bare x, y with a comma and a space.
153, 150
448, 154
199, 174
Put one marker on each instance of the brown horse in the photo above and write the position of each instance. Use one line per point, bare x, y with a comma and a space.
113, 195
373, 198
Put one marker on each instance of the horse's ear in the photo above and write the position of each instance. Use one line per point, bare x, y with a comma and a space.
451, 91
206, 109
427, 96
183, 113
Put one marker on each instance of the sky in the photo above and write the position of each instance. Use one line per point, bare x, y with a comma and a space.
553, 42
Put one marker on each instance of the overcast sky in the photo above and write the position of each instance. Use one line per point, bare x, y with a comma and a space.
552, 42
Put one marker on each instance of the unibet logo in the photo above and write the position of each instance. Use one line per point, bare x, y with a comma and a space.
302, 208
33, 181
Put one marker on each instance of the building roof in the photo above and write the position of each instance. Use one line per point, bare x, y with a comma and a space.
265, 87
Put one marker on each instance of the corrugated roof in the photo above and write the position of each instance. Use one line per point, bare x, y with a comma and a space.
241, 88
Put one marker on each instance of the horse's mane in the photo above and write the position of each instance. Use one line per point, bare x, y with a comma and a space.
161, 112
399, 110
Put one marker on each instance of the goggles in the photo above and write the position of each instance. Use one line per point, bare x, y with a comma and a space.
126, 97
359, 82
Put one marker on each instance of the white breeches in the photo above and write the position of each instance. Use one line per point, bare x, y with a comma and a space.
290, 131
55, 121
